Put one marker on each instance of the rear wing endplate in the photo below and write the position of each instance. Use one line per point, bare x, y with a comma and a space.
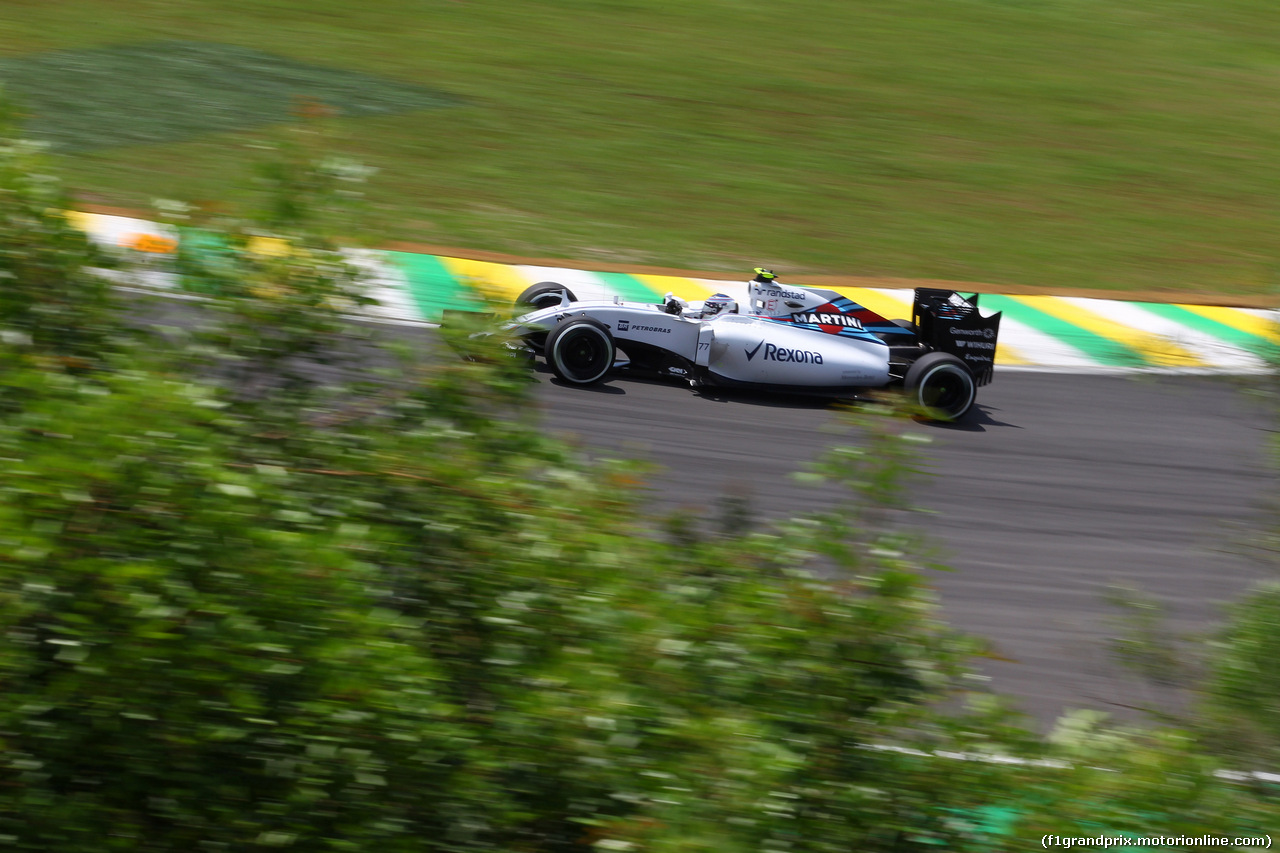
948, 322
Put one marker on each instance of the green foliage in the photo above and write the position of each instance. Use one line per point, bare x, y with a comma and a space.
186, 660
1243, 690
340, 617
1136, 784
53, 306
397, 616
1145, 645
281, 288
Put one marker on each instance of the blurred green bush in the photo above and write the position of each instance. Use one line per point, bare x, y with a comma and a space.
245, 606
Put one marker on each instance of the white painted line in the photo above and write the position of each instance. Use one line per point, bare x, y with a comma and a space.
1051, 763
1115, 370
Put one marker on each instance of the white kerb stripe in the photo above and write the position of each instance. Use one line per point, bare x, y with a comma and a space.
1044, 350
906, 297
1212, 350
585, 285
386, 283
734, 289
1033, 345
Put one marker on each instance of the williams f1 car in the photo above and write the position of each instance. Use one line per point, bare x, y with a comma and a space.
784, 338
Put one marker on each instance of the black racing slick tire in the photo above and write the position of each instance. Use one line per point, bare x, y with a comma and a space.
941, 385
544, 294
580, 350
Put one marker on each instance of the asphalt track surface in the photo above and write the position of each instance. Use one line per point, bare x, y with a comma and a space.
1054, 489
1057, 488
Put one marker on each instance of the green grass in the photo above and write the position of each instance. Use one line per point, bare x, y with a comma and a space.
80, 100
1061, 143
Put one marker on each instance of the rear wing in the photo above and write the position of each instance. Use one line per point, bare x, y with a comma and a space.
948, 322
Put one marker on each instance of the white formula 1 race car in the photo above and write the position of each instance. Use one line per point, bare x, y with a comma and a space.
786, 338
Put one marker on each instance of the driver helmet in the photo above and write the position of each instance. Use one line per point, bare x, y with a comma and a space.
717, 304
763, 276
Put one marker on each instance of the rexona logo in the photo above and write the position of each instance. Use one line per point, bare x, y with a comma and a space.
827, 319
773, 352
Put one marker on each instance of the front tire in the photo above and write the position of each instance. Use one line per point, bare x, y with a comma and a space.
544, 294
580, 351
941, 385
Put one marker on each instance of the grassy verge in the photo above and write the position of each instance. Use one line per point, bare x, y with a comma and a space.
1059, 143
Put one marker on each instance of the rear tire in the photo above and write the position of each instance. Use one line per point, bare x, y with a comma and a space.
580, 351
544, 294
941, 385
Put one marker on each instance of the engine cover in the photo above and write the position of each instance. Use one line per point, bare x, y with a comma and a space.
747, 349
